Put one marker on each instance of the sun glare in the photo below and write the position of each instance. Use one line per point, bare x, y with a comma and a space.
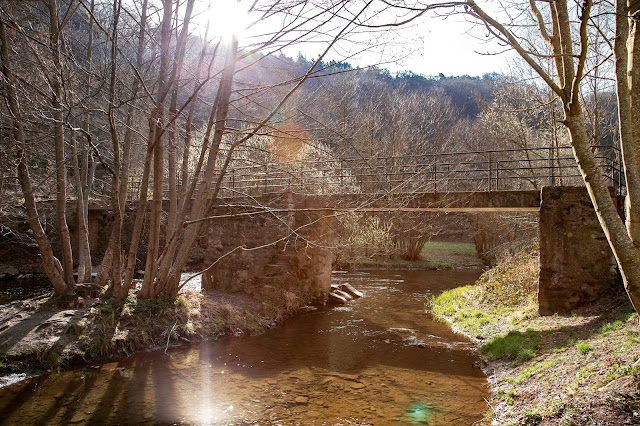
228, 17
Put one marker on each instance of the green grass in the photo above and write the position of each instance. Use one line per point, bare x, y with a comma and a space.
458, 307
450, 302
504, 292
611, 326
131, 304
584, 348
454, 254
508, 395
447, 247
537, 366
399, 263
515, 346
52, 359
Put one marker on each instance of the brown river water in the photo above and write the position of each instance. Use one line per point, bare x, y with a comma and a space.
379, 360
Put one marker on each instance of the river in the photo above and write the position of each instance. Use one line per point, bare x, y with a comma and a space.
378, 360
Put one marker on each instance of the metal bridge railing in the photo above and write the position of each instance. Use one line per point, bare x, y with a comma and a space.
489, 170
485, 171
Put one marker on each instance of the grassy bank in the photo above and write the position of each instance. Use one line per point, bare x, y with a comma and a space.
39, 334
434, 255
578, 369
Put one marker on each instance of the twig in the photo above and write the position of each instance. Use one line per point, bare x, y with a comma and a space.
169, 336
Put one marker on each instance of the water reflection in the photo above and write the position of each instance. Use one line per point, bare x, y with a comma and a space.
12, 290
376, 361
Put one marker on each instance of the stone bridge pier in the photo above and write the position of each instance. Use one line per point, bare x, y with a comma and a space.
281, 253
576, 263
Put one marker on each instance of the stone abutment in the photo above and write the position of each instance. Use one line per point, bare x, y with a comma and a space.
269, 254
576, 263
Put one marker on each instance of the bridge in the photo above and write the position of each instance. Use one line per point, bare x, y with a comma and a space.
490, 180
261, 201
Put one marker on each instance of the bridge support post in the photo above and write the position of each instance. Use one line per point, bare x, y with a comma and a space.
290, 256
576, 263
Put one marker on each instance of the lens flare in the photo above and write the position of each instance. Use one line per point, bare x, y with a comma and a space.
289, 142
420, 413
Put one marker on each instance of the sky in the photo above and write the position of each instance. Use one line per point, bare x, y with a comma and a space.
435, 45
430, 47
449, 50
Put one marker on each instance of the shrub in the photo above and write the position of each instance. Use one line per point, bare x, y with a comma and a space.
363, 236
513, 282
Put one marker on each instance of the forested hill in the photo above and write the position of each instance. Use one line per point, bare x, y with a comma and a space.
369, 111
467, 94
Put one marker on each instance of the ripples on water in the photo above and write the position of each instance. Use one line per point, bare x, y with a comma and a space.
378, 360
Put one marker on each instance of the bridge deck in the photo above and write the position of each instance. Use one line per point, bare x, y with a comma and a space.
506, 201
493, 180
426, 202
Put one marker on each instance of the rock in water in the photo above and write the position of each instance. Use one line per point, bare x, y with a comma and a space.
344, 294
336, 299
348, 288
302, 400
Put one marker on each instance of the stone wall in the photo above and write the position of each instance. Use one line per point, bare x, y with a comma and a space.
261, 253
256, 253
576, 263
22, 254
235, 268
19, 253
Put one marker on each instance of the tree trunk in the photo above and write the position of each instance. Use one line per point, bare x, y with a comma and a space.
113, 263
120, 173
626, 254
627, 62
48, 259
137, 226
86, 172
157, 124
172, 266
84, 253
58, 136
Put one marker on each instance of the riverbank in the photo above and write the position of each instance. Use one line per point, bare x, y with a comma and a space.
38, 334
434, 255
583, 368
